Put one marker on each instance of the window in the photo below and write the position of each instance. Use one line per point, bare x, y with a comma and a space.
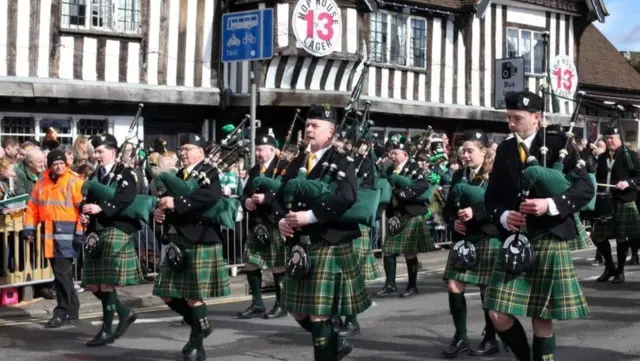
93, 126
519, 44
399, 39
26, 127
21, 128
62, 126
105, 15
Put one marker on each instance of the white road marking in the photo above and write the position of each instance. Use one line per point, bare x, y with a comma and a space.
145, 320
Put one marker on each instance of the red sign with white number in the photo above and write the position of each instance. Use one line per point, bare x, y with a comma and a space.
317, 25
564, 76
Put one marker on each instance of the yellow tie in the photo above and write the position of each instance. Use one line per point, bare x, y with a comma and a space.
185, 174
263, 169
523, 154
397, 170
312, 157
473, 174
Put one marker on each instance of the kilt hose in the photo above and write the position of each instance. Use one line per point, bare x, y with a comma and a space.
549, 291
333, 287
205, 274
487, 249
362, 247
412, 239
624, 225
582, 239
117, 264
270, 256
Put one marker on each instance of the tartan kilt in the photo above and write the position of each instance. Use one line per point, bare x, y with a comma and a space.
205, 274
334, 285
549, 291
117, 264
625, 224
273, 255
488, 250
362, 248
582, 239
413, 238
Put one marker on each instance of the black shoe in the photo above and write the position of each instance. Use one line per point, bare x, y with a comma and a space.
410, 292
618, 278
251, 312
194, 354
124, 323
608, 273
187, 348
458, 345
344, 349
486, 347
349, 329
387, 291
276, 312
101, 339
58, 321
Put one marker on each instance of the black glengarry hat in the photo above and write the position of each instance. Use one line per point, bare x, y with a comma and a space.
523, 100
476, 135
612, 130
323, 112
265, 139
193, 138
105, 139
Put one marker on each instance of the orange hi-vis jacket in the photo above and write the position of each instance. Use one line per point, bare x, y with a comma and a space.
56, 205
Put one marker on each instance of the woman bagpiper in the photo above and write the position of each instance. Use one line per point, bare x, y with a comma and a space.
473, 224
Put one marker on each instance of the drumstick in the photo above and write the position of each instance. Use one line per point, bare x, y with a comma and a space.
607, 185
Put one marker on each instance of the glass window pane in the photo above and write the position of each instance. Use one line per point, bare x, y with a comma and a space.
62, 126
93, 126
525, 49
399, 39
538, 54
418, 52
18, 125
512, 43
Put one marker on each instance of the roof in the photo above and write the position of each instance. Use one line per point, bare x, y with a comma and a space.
568, 5
601, 64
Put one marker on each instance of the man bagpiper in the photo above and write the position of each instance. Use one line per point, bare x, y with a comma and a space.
472, 224
112, 260
332, 286
265, 248
541, 285
183, 283
620, 168
411, 237
362, 245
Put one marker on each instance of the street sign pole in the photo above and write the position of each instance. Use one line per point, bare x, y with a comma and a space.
252, 111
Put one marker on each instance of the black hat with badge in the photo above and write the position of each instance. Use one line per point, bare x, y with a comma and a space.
611, 130
193, 138
265, 139
398, 141
324, 112
476, 135
105, 139
523, 100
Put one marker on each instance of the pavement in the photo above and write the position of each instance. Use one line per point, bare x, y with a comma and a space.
393, 329
140, 296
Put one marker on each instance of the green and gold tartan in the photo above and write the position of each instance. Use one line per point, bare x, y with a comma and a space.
362, 247
487, 249
550, 290
625, 224
271, 256
117, 264
413, 238
334, 285
205, 274
582, 239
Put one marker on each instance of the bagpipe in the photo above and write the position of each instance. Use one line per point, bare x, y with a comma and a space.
224, 211
310, 192
93, 191
465, 195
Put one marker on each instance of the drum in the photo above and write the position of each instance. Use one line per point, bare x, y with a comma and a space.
603, 211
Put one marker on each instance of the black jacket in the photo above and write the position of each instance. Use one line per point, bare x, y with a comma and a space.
406, 197
624, 169
481, 221
124, 196
328, 228
504, 187
263, 211
185, 217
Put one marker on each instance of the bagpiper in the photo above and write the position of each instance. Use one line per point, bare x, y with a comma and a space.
406, 221
472, 225
533, 275
620, 168
264, 248
194, 267
110, 256
330, 285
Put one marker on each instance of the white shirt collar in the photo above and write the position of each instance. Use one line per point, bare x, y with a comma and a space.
108, 167
320, 153
190, 168
528, 140
401, 166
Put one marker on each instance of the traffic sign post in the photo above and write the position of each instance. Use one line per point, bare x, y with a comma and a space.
509, 77
564, 77
248, 36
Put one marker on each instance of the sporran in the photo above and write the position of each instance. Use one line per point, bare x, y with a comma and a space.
519, 255
92, 246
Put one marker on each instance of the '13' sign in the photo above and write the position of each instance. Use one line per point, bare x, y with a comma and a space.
317, 25
565, 76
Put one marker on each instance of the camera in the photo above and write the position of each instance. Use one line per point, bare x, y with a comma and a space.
508, 70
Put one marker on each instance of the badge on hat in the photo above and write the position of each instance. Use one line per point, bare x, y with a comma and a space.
525, 101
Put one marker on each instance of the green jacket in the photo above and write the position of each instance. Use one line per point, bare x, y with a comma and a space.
25, 179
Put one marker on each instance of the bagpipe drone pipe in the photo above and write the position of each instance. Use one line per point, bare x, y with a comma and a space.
93, 191
225, 210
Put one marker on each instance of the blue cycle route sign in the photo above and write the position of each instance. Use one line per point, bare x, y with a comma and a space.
247, 35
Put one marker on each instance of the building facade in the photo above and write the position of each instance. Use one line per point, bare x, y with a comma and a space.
82, 66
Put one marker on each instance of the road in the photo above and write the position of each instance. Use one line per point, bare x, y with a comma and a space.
393, 330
